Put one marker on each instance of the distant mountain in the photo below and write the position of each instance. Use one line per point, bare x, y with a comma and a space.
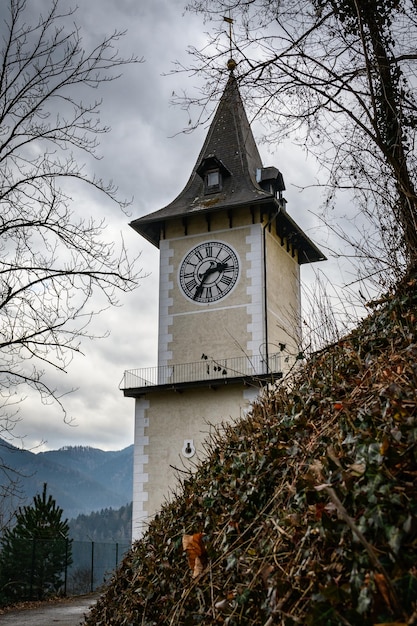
81, 479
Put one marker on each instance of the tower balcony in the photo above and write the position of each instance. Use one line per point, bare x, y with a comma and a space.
207, 372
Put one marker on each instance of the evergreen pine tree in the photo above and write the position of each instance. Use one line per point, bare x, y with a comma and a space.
35, 552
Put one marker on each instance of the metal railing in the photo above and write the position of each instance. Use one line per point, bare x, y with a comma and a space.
205, 369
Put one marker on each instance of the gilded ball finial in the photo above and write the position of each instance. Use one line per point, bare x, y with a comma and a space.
231, 64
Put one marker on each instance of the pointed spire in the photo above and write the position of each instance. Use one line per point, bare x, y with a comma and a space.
231, 140
229, 146
229, 174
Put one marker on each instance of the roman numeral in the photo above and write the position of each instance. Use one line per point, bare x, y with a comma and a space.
226, 280
191, 284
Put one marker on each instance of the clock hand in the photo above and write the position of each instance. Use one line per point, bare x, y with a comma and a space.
200, 287
198, 291
219, 267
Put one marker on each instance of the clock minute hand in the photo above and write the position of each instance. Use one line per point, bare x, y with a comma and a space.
198, 291
200, 287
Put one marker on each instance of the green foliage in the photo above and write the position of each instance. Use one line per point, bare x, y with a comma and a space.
349, 11
308, 506
35, 552
106, 525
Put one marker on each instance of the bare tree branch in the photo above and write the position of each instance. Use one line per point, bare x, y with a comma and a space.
57, 271
338, 78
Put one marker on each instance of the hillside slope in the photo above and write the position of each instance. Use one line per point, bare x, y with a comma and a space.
308, 507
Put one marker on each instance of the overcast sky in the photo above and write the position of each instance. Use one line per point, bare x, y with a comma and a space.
149, 159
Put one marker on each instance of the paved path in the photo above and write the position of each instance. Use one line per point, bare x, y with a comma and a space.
65, 613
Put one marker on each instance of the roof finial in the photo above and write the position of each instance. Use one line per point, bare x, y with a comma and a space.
231, 64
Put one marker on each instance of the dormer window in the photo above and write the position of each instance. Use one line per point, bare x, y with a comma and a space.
213, 181
213, 172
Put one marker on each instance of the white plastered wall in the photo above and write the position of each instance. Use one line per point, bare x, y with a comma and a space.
283, 297
232, 327
164, 421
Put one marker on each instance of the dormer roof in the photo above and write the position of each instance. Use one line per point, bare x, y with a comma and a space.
231, 151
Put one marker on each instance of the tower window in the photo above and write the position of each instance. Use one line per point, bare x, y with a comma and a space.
212, 172
212, 181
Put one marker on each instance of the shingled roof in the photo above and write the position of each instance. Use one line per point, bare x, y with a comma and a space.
229, 147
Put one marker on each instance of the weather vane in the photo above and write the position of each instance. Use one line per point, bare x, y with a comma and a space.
231, 64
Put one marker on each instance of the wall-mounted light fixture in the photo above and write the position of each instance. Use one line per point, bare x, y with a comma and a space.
188, 449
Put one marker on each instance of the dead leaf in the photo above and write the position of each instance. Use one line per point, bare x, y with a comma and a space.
265, 572
357, 469
320, 506
331, 453
196, 551
383, 589
235, 525
383, 448
222, 605
322, 487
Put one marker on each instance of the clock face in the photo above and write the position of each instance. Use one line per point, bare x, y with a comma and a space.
209, 272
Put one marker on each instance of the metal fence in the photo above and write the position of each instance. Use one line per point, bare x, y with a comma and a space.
92, 565
40, 568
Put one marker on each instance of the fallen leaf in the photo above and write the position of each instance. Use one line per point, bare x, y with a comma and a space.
383, 448
196, 552
322, 487
265, 572
383, 589
357, 469
320, 506
222, 605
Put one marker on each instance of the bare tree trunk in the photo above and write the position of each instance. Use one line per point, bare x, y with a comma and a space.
388, 120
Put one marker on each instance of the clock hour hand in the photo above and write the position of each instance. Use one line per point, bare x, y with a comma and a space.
218, 267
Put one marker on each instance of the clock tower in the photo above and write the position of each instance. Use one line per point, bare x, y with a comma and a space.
229, 303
